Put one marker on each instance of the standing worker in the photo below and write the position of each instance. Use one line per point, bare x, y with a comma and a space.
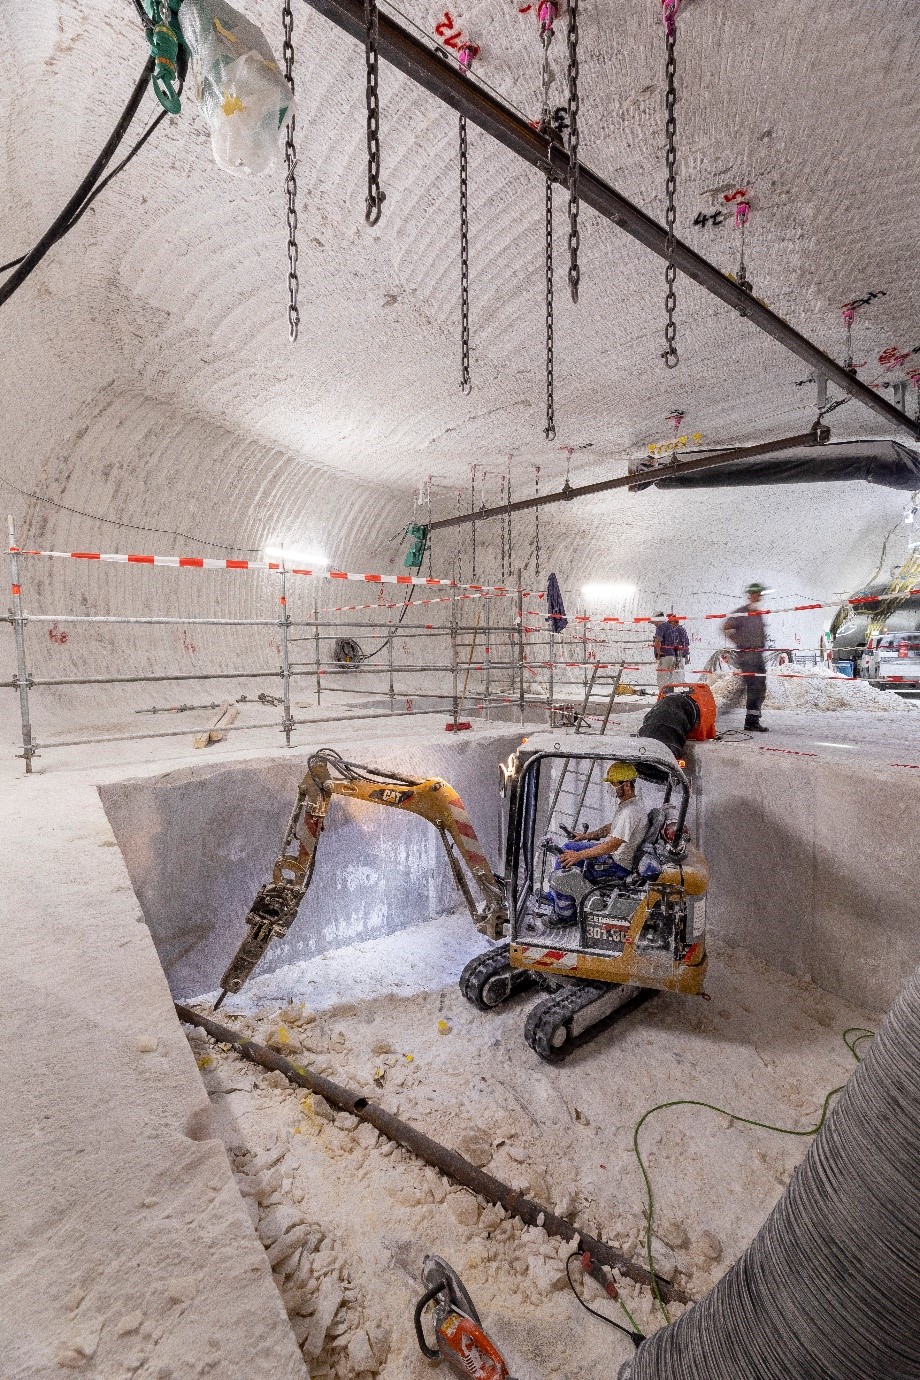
747, 629
672, 649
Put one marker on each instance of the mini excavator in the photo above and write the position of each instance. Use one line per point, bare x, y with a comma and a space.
629, 937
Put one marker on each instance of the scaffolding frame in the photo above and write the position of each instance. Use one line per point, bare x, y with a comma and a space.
518, 670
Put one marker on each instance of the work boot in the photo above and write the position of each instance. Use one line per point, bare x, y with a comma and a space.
755, 726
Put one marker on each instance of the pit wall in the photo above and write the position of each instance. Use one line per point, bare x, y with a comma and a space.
198, 843
811, 859
813, 866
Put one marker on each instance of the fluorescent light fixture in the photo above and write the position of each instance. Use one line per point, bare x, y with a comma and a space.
611, 591
288, 556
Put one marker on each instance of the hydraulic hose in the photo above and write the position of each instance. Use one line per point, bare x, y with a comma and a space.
830, 1287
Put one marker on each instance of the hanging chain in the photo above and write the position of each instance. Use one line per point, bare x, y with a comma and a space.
466, 383
536, 526
742, 212
473, 511
458, 568
549, 431
573, 139
670, 355
373, 205
508, 492
501, 499
290, 181
428, 502
548, 13
849, 316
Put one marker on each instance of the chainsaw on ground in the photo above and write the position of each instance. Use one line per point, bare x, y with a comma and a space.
459, 1336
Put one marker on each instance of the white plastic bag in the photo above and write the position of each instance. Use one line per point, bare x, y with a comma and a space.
244, 96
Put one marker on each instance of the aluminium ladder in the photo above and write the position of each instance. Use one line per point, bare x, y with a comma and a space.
608, 677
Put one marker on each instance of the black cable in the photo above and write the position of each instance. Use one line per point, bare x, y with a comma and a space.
99, 186
72, 210
405, 609
143, 15
635, 1337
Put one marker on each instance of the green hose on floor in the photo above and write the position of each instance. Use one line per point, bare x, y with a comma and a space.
852, 1038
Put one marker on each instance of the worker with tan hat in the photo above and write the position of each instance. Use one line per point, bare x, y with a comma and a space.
607, 852
747, 629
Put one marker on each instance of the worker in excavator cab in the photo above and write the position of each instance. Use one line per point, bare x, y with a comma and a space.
606, 853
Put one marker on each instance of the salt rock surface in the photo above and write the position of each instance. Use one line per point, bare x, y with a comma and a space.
812, 688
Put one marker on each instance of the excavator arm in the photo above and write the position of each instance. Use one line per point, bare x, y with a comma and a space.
277, 903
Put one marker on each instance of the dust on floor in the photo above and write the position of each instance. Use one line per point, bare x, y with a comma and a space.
347, 1217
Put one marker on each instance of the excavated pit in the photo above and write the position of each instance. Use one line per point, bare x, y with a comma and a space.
364, 990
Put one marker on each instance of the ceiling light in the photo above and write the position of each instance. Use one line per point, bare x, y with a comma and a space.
611, 591
288, 556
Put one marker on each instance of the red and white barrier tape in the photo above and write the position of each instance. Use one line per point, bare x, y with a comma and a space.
211, 563
464, 590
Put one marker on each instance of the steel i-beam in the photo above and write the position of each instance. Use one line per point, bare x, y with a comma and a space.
427, 66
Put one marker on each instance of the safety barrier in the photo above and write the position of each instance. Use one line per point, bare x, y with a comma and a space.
492, 663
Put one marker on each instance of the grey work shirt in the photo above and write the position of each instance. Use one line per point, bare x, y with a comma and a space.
747, 630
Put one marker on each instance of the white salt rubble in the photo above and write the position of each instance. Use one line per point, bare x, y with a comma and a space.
815, 688
346, 1217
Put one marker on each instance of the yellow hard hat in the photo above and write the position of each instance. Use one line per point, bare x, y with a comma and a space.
620, 771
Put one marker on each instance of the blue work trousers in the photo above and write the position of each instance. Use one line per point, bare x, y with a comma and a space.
594, 870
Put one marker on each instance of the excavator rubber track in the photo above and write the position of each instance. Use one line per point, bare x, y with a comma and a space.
561, 1023
489, 979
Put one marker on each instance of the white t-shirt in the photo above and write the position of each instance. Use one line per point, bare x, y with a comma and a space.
629, 823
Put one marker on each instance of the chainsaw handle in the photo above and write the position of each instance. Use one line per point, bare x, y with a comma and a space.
431, 1352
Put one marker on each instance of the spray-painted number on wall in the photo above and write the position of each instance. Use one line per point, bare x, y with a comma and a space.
712, 218
452, 36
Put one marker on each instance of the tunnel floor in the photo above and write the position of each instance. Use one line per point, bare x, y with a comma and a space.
386, 1018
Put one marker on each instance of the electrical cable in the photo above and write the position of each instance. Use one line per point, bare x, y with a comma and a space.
859, 1034
87, 191
99, 186
635, 1336
405, 608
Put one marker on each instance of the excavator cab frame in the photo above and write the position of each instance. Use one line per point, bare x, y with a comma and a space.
647, 928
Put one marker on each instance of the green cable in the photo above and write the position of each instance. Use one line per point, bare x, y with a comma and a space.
636, 1327
858, 1034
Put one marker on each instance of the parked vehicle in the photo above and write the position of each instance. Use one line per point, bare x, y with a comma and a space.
892, 660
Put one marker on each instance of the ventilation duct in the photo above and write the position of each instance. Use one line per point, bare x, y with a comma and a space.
886, 463
830, 1287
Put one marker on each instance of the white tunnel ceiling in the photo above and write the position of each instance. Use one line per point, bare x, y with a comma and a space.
174, 287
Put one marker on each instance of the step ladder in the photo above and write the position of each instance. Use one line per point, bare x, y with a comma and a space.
602, 677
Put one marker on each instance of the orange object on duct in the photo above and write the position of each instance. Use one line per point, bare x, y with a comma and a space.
704, 700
